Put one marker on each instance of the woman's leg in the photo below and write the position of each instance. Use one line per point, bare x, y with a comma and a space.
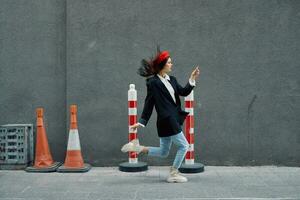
183, 145
162, 150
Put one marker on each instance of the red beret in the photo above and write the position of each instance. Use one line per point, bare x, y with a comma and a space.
162, 56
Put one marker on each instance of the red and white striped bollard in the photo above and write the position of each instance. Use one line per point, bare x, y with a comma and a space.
190, 166
133, 165
132, 119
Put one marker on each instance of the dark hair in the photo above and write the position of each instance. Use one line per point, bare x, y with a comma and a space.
149, 67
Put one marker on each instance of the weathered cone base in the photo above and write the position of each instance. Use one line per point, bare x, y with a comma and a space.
64, 169
51, 168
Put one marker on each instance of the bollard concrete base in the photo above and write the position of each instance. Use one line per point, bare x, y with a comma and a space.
51, 168
85, 168
192, 168
133, 167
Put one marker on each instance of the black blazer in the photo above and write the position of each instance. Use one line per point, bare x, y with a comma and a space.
170, 117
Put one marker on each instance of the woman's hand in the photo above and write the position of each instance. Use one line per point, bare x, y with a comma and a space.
134, 126
195, 73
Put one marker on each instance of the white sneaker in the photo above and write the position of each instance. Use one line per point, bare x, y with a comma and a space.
134, 145
175, 177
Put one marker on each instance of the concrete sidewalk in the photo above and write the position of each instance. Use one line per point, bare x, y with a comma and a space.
267, 182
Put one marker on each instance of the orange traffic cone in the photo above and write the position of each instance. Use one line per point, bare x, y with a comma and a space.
74, 161
43, 160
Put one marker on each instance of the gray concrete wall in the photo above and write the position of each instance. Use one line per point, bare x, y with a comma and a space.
247, 98
32, 66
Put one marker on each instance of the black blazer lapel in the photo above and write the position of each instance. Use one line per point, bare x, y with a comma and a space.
165, 90
172, 82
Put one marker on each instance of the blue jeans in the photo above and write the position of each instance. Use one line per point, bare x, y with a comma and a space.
165, 145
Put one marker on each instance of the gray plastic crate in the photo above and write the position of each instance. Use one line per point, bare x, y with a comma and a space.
16, 146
